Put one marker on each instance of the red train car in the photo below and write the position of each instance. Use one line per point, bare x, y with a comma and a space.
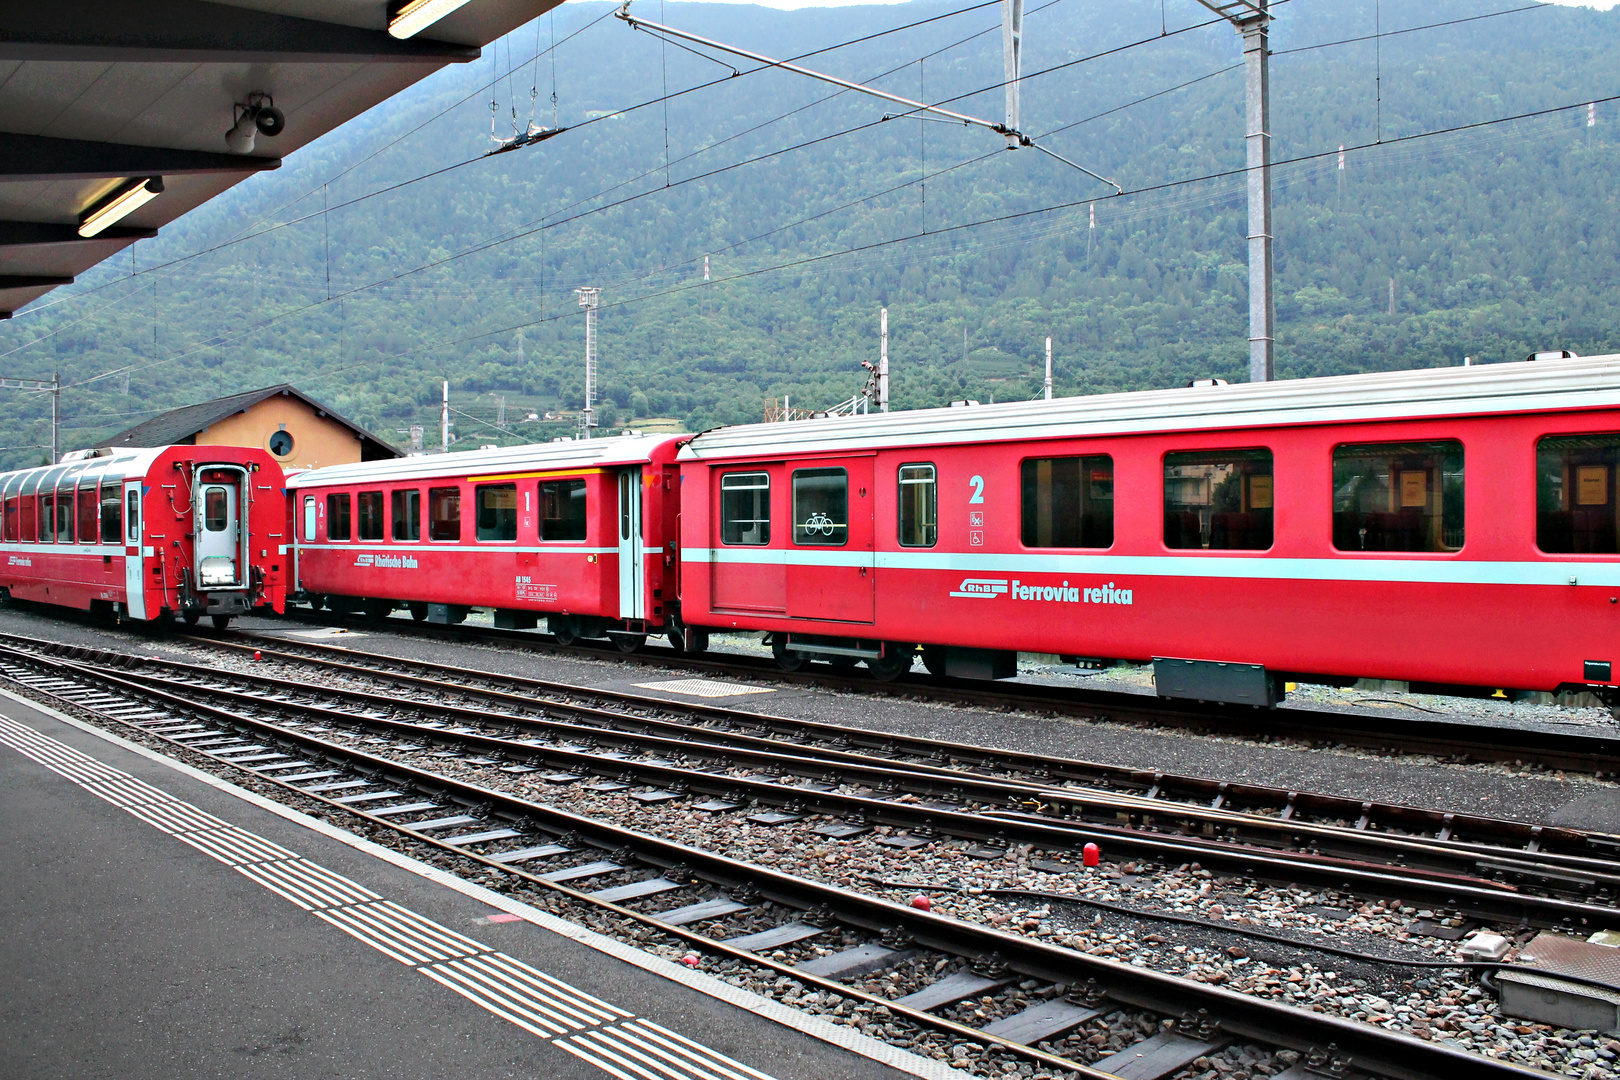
1454, 526
581, 533
192, 531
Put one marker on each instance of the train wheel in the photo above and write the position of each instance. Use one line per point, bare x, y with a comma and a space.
221, 622
843, 665
628, 643
563, 628
678, 631
316, 601
785, 660
419, 612
377, 610
895, 661
191, 617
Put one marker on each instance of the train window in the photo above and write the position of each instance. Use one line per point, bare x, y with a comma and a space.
1577, 512
337, 517
408, 514
1398, 496
28, 511
1068, 502
112, 511
562, 510
11, 520
216, 509
745, 508
444, 510
309, 517
132, 519
497, 511
89, 506
820, 506
47, 518
64, 517
368, 515
1218, 499
919, 502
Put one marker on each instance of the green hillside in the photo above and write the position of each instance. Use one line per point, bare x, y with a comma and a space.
1498, 240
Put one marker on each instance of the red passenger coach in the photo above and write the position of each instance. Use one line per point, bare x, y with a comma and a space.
187, 530
579, 532
1455, 527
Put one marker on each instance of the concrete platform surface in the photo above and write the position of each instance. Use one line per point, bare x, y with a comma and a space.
158, 923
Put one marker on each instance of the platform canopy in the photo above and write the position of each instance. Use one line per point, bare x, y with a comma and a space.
108, 100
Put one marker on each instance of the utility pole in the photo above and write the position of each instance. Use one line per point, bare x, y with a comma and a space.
54, 388
1048, 369
1012, 55
444, 420
883, 361
589, 297
1252, 19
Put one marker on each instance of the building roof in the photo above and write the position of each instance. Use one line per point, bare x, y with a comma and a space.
1580, 383
182, 424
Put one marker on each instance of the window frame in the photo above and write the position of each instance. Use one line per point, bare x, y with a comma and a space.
1570, 492
395, 517
478, 513
1084, 462
334, 501
312, 518
434, 521
112, 496
931, 528
380, 507
1245, 487
132, 516
225, 508
765, 541
1440, 527
570, 484
794, 524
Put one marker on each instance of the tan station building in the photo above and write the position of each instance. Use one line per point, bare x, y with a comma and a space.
300, 431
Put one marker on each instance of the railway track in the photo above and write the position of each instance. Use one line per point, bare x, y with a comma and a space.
1446, 739
1568, 883
673, 888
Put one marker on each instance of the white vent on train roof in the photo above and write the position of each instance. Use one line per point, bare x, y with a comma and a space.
1553, 354
1207, 382
963, 403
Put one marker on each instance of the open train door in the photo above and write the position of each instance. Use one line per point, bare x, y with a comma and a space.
134, 554
632, 588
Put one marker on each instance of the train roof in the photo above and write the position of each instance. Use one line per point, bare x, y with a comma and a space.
1586, 382
586, 453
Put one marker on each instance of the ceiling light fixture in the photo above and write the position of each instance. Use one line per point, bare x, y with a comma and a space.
120, 204
256, 116
412, 17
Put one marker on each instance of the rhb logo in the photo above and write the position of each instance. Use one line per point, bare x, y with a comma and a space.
981, 588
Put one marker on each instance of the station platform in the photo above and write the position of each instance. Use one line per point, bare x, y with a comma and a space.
157, 922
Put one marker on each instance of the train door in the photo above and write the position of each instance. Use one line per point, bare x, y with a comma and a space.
134, 554
830, 571
217, 542
632, 593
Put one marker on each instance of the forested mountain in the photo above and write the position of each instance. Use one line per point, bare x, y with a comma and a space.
814, 211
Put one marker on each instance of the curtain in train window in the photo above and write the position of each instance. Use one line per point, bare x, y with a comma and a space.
497, 511
444, 510
337, 517
369, 515
562, 510
408, 514
745, 508
821, 506
1398, 496
919, 506
89, 507
112, 511
1577, 512
1068, 502
1218, 500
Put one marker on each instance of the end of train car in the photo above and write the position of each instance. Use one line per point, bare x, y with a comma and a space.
581, 534
187, 531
